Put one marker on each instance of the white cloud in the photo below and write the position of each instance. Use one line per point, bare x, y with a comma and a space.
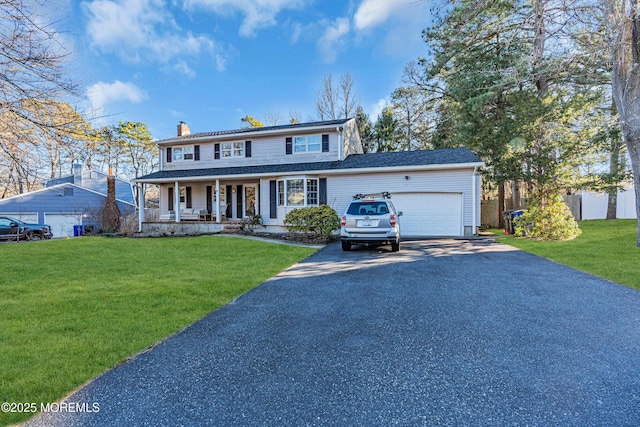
142, 30
373, 12
332, 39
183, 68
376, 109
258, 14
402, 22
100, 94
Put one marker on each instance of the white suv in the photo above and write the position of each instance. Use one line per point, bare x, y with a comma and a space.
370, 220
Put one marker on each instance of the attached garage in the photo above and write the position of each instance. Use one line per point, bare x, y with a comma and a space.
430, 214
62, 223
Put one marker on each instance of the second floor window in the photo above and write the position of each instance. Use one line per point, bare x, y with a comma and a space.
232, 149
303, 144
183, 153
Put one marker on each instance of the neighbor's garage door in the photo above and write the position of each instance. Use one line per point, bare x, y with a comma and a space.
62, 224
429, 214
24, 217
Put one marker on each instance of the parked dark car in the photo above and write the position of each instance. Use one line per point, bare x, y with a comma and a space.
14, 229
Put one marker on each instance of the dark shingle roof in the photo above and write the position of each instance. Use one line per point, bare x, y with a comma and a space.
263, 129
447, 156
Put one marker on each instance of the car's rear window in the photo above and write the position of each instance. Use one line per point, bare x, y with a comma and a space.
368, 208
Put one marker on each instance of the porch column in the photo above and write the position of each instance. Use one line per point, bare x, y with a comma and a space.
177, 200
218, 219
140, 206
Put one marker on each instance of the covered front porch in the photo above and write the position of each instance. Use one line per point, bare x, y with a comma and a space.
204, 204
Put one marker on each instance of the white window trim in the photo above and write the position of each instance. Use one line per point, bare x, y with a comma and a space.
283, 196
306, 144
183, 151
232, 149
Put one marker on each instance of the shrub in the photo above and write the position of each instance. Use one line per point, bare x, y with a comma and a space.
250, 223
549, 221
318, 221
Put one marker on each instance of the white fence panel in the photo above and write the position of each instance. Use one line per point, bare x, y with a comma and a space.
594, 205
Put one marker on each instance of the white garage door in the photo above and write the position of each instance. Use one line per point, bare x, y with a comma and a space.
429, 214
31, 218
62, 223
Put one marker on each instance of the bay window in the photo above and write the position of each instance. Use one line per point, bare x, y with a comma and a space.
298, 192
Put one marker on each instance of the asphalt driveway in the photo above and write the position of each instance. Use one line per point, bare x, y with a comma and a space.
443, 332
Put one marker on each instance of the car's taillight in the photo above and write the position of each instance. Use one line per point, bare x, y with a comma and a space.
392, 220
343, 221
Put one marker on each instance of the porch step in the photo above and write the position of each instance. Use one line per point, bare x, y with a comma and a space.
232, 227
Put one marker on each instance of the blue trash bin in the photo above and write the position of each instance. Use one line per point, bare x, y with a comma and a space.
77, 230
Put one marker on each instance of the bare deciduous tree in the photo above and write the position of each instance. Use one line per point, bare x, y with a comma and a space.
336, 101
32, 61
623, 33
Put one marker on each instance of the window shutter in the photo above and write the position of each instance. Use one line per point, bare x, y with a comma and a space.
168, 154
188, 197
322, 191
325, 143
289, 145
209, 198
247, 148
239, 212
229, 196
216, 149
273, 199
196, 152
171, 198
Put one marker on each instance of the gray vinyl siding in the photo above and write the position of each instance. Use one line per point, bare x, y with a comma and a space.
340, 189
264, 151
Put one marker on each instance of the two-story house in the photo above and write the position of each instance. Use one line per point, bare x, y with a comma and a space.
216, 177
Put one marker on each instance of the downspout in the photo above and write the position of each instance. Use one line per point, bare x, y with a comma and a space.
474, 206
140, 206
339, 129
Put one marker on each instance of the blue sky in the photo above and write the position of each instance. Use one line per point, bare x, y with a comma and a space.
211, 62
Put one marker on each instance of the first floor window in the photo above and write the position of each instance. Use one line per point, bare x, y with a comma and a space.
298, 192
280, 193
312, 191
295, 192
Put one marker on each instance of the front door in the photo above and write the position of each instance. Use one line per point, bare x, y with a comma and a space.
250, 199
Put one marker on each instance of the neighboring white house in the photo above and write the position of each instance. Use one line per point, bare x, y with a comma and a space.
229, 175
594, 205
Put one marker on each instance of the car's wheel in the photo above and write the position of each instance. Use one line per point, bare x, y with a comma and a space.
395, 247
346, 246
34, 236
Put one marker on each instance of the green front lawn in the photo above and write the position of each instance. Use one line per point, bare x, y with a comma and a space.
73, 308
605, 248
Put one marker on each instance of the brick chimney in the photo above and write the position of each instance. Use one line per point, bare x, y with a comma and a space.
183, 129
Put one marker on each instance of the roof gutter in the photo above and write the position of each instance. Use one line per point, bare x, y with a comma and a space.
335, 172
257, 132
